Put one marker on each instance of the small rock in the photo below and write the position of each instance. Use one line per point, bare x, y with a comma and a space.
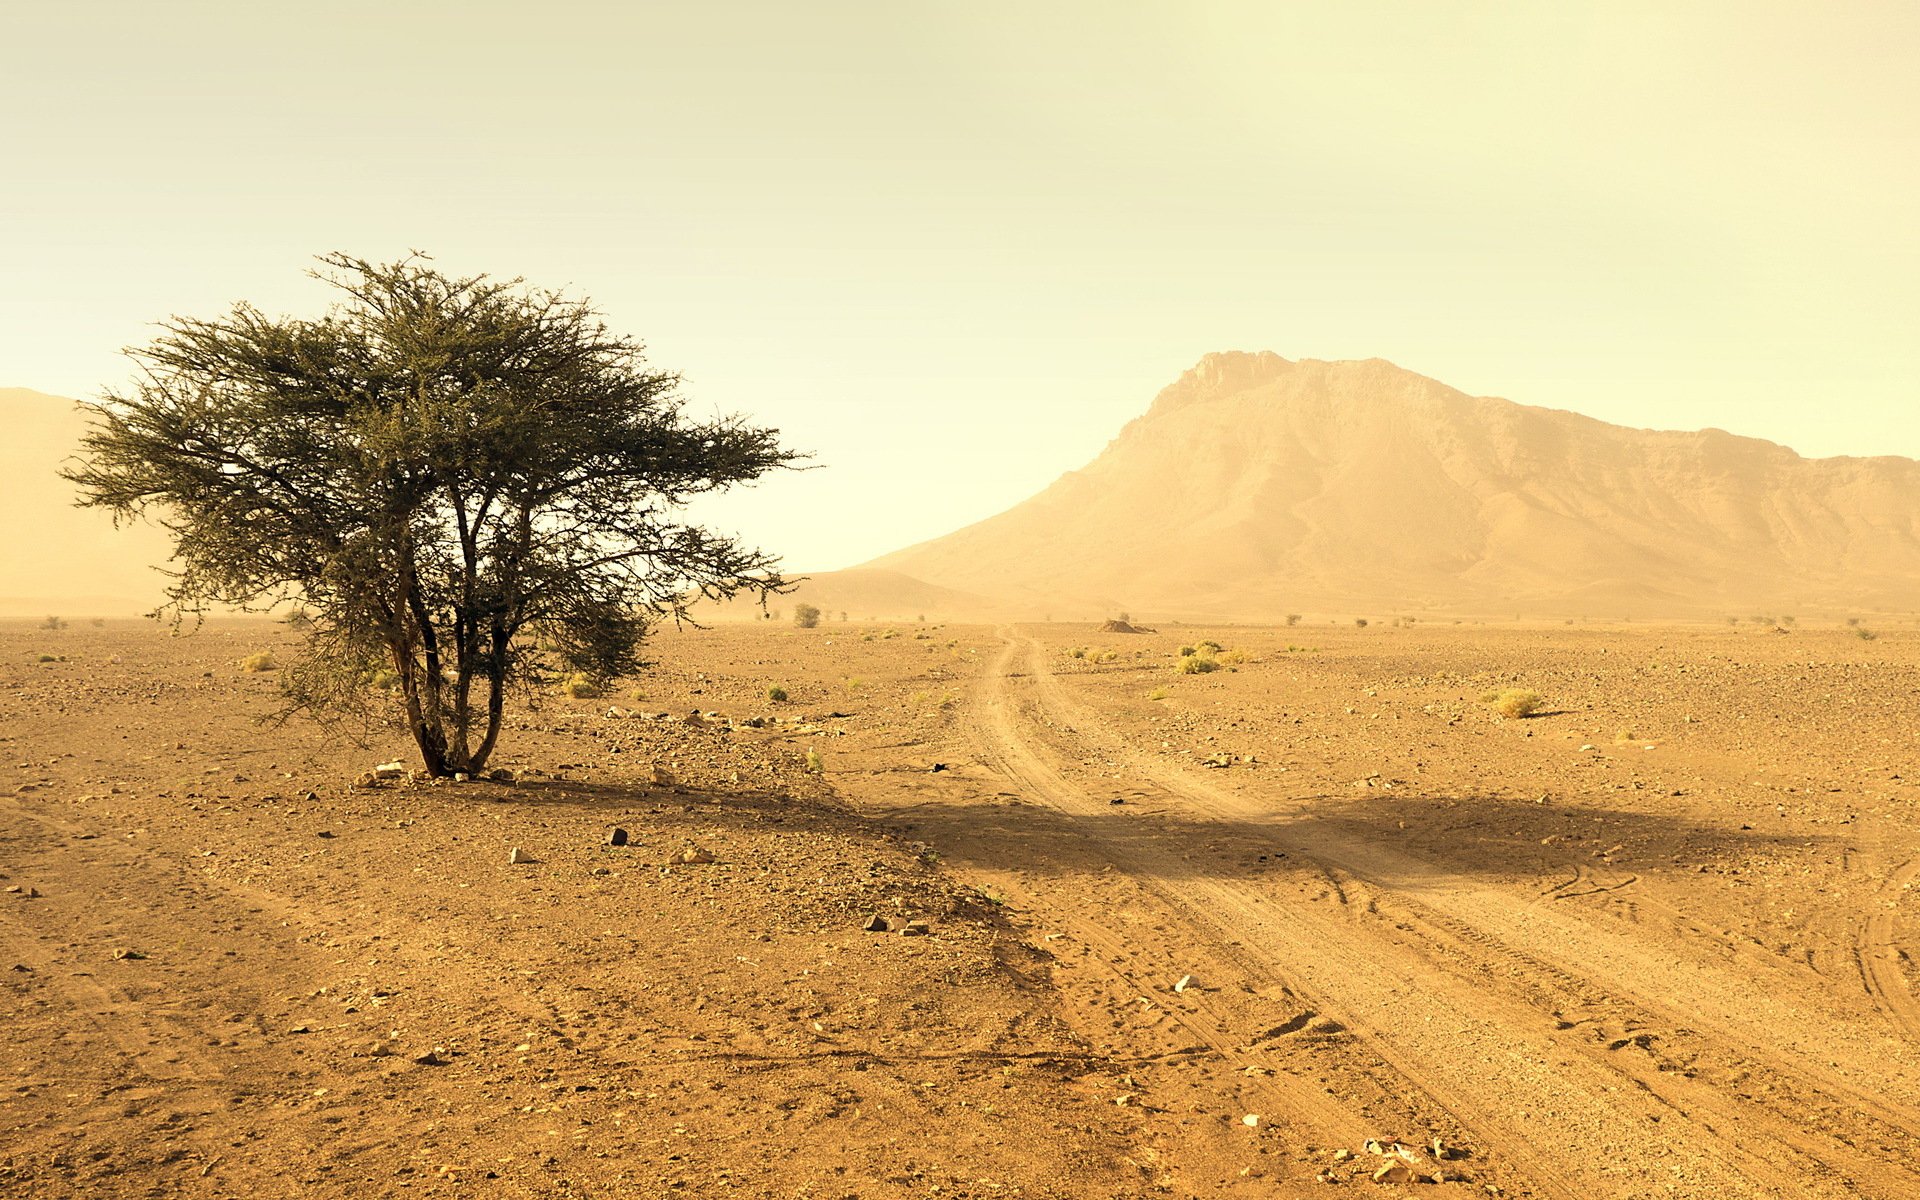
693, 854
616, 836
1117, 800
660, 777
1186, 981
325, 833
124, 955
436, 1057
1251, 1120
367, 780
1394, 1172
500, 775
915, 929
517, 856
380, 1050
876, 924
459, 776
936, 768
390, 770
22, 967
311, 797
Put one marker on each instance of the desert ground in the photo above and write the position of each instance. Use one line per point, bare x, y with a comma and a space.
1314, 917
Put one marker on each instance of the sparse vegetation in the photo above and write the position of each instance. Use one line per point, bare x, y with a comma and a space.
262, 661
1359, 622
1865, 634
579, 686
53, 622
1158, 693
815, 765
776, 694
1517, 703
806, 616
1293, 619
435, 468
1197, 664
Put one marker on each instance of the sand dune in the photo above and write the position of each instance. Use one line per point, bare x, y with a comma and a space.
1256, 486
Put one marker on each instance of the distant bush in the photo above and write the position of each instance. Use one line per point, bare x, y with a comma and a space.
1197, 664
1865, 634
1852, 621
53, 623
1206, 647
1077, 652
1235, 658
263, 661
806, 616
1359, 622
1513, 702
1158, 693
52, 658
98, 622
1186, 651
579, 686
776, 694
1293, 618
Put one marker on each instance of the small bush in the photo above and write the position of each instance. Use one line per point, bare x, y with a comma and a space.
1235, 658
579, 686
385, 679
776, 694
1077, 652
814, 764
1187, 651
1865, 634
1158, 693
1359, 622
51, 658
806, 616
1197, 664
263, 661
53, 623
1513, 702
1206, 647
1293, 618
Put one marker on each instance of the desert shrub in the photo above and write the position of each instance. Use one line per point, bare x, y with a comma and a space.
776, 694
50, 658
806, 616
815, 765
1513, 702
1293, 618
1077, 652
854, 683
1197, 664
263, 661
1359, 622
579, 686
1235, 658
53, 622
1853, 622
386, 679
98, 622
1865, 634
1158, 693
1206, 647
1187, 651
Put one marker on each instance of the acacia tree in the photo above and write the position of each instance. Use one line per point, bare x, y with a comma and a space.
436, 470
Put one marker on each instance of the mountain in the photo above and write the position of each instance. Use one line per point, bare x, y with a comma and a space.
1255, 486
56, 558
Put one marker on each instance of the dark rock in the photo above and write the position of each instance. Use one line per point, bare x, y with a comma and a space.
876, 924
616, 836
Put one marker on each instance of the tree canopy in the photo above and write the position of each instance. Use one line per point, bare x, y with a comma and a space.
436, 469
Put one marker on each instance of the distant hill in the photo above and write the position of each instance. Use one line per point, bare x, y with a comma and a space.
56, 558
1255, 486
866, 594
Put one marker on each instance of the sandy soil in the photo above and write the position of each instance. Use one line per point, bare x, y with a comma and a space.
1225, 934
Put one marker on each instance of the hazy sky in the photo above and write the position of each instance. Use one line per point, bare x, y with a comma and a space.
952, 248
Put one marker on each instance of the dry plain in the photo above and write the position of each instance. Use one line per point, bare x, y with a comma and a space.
1184, 934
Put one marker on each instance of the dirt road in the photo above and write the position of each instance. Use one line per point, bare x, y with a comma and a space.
1568, 1046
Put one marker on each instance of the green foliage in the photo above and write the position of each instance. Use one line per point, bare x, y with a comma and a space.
432, 468
776, 694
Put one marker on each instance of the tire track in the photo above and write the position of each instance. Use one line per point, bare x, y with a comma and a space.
1594, 1099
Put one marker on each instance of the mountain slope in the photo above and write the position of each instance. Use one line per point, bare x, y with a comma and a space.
1256, 485
55, 557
